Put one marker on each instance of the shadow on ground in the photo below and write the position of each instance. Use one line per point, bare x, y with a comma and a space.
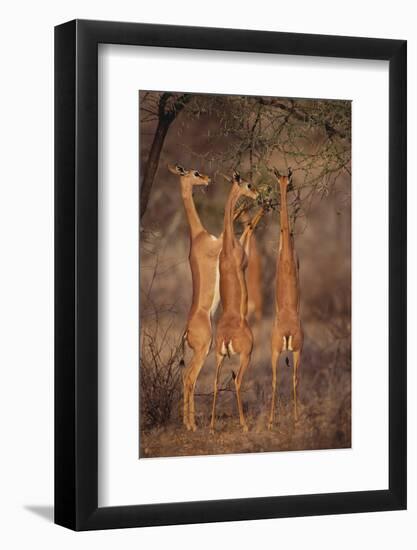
45, 512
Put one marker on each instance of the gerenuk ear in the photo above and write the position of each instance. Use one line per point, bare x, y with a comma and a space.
177, 169
276, 172
236, 177
290, 183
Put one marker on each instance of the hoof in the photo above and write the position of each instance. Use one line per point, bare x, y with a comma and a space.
270, 426
245, 428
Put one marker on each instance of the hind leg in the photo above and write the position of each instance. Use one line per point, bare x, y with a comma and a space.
189, 381
199, 336
244, 362
194, 372
186, 395
219, 363
274, 365
295, 379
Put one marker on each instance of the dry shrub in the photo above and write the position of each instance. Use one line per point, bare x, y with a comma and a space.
160, 376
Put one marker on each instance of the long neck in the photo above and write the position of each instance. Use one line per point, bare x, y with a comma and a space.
228, 231
246, 237
192, 215
285, 238
233, 289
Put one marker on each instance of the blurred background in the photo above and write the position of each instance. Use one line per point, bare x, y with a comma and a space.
216, 134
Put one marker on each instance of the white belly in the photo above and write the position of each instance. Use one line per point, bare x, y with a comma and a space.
216, 294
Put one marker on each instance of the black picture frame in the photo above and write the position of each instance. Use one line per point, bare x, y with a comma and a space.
76, 272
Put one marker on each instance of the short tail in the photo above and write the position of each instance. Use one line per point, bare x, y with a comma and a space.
227, 349
183, 342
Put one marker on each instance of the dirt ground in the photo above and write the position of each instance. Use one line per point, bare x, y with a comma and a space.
324, 407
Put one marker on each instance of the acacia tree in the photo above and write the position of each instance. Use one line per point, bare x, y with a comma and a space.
311, 136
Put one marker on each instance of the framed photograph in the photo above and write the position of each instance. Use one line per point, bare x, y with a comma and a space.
230, 255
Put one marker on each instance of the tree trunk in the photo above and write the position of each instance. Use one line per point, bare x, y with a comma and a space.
164, 122
153, 161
